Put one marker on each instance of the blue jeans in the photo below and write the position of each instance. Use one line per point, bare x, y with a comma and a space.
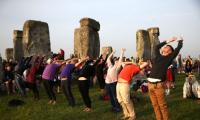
20, 84
111, 89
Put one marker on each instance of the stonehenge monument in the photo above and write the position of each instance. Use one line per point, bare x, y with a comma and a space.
154, 40
86, 39
104, 51
36, 40
1, 69
9, 53
18, 47
143, 46
146, 40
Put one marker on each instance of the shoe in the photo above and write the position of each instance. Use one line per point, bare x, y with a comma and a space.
116, 109
131, 118
87, 109
124, 118
50, 101
54, 102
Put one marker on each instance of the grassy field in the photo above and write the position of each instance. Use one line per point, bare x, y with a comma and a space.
179, 109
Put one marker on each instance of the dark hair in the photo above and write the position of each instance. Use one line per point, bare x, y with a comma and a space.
171, 47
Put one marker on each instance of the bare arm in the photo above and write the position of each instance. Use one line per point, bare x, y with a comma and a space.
121, 57
109, 58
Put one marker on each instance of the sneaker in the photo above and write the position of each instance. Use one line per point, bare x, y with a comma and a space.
131, 118
50, 101
124, 118
54, 102
87, 109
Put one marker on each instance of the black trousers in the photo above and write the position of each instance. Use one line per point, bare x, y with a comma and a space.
101, 81
33, 87
83, 86
48, 85
66, 87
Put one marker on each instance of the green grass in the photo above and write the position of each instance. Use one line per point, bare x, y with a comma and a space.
179, 108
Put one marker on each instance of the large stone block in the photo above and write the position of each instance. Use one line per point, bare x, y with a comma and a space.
106, 50
9, 53
143, 46
90, 23
36, 40
1, 69
86, 42
154, 39
18, 46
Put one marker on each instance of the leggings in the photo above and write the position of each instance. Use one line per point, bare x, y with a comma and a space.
48, 85
83, 86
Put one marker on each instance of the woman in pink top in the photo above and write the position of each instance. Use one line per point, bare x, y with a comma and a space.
111, 79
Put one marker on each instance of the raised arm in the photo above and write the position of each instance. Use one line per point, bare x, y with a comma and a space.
109, 63
80, 62
178, 48
121, 57
157, 49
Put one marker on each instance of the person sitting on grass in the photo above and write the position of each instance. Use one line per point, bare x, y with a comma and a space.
191, 87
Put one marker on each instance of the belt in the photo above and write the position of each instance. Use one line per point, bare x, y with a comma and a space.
155, 82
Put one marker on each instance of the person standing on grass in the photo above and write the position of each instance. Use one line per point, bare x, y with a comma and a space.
160, 64
48, 76
31, 76
66, 79
86, 70
111, 79
99, 72
123, 88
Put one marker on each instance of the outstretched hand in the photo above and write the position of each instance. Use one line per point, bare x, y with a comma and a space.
123, 49
171, 39
180, 39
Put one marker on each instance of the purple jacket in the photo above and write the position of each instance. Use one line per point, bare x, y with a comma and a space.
50, 71
66, 72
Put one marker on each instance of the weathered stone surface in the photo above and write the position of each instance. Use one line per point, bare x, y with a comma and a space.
105, 49
9, 53
143, 46
1, 69
154, 40
86, 42
90, 23
18, 46
36, 40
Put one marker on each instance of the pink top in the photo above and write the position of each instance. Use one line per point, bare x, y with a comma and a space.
113, 70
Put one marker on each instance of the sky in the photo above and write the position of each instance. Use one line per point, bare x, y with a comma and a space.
119, 20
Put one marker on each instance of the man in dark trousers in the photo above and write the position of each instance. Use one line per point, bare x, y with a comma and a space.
165, 54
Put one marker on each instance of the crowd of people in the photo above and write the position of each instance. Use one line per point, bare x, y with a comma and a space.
114, 76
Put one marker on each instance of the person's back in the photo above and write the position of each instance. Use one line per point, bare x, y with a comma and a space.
50, 71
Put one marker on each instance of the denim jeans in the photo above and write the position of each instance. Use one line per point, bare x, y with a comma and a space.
111, 89
20, 84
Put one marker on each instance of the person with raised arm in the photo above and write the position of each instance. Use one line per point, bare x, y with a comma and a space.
165, 54
111, 78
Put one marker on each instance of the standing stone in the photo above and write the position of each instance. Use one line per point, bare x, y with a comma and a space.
9, 53
86, 39
143, 46
18, 46
104, 51
154, 40
1, 69
36, 40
